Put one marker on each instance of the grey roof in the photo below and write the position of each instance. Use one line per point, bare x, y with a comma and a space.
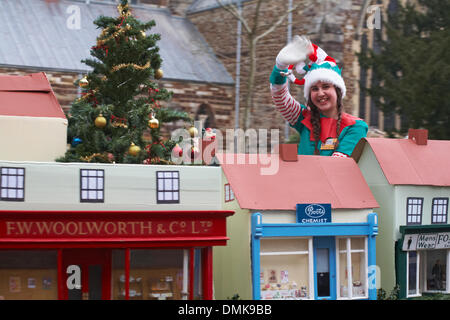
203, 5
34, 33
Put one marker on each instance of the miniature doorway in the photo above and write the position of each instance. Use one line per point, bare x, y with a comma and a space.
324, 268
93, 267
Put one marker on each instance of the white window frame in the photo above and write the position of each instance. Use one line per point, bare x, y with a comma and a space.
12, 179
167, 187
309, 252
348, 251
417, 294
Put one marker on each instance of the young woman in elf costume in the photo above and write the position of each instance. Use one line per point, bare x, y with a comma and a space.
324, 128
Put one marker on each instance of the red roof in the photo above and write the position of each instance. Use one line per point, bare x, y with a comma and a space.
405, 162
311, 179
29, 95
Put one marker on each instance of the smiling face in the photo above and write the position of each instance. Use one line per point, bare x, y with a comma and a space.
324, 97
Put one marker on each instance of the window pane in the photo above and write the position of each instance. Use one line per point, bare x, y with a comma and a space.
175, 174
84, 194
154, 275
12, 182
100, 195
412, 273
92, 195
4, 193
284, 269
168, 184
436, 270
167, 174
168, 196
160, 184
99, 183
12, 193
20, 182
28, 275
12, 171
160, 195
4, 181
84, 184
358, 274
92, 183
20, 194
175, 196
160, 174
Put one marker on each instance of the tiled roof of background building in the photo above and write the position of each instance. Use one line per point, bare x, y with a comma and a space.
35, 34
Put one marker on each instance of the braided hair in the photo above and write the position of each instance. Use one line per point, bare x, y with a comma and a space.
315, 120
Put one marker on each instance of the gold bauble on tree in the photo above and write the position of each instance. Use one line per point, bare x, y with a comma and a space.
159, 74
83, 83
153, 123
134, 149
193, 132
100, 121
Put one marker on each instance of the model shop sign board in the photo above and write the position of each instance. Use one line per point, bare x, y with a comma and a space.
426, 241
314, 213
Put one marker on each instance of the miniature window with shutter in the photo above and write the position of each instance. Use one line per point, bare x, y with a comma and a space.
12, 184
229, 194
168, 187
92, 185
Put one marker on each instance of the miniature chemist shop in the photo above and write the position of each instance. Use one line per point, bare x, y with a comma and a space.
313, 261
109, 255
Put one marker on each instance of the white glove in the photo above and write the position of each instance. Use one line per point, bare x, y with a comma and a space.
294, 52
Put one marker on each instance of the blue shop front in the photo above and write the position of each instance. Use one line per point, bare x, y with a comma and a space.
311, 260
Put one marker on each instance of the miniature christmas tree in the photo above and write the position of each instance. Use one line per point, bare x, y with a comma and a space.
121, 98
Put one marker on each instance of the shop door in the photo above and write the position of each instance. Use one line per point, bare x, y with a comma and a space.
324, 268
93, 268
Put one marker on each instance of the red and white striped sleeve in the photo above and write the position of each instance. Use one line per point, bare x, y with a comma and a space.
289, 108
339, 155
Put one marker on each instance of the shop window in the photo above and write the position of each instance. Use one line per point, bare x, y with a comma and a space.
413, 263
92, 185
439, 210
28, 275
229, 194
168, 186
154, 274
414, 211
436, 270
352, 268
286, 270
12, 184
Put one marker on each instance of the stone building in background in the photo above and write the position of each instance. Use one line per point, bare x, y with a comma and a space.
199, 51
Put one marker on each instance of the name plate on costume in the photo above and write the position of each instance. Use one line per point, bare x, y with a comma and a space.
314, 213
329, 144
